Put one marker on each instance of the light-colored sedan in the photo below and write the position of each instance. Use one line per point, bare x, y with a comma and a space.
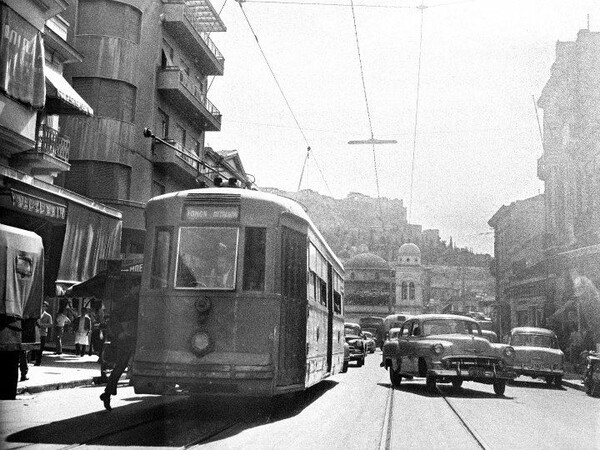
537, 354
446, 348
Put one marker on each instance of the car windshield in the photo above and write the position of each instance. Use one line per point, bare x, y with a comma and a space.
532, 340
353, 330
449, 326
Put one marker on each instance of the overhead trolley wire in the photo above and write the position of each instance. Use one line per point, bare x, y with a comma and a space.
362, 77
282, 93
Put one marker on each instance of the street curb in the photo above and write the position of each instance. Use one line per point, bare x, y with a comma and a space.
53, 386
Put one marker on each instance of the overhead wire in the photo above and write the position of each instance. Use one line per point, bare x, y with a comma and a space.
362, 77
281, 91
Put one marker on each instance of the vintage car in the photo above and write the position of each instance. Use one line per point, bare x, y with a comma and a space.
355, 340
447, 348
370, 341
490, 336
537, 354
346, 357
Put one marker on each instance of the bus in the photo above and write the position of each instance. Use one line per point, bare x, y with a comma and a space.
394, 321
240, 295
374, 325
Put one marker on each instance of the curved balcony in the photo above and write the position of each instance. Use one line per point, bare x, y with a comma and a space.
181, 91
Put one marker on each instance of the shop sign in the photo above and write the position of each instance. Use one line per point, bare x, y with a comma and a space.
39, 206
22, 59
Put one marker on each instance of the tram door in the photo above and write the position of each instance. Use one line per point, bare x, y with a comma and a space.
292, 335
329, 316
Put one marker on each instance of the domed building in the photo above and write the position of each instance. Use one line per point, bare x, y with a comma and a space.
410, 279
368, 286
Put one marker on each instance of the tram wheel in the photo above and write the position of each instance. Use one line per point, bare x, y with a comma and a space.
499, 387
395, 377
549, 381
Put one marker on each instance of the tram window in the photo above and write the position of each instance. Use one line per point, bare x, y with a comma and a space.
254, 259
206, 258
160, 258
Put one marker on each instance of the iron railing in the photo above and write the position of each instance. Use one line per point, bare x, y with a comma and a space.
53, 143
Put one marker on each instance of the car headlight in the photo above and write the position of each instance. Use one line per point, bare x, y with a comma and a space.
509, 352
437, 349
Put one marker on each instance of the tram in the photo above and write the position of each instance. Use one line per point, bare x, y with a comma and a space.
240, 295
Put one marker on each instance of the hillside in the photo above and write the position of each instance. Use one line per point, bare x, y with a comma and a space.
359, 222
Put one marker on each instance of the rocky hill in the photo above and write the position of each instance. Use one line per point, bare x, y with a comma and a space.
360, 223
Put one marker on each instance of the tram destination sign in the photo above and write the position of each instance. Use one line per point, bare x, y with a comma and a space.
210, 212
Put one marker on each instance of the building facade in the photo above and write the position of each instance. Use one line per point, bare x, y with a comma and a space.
569, 168
519, 264
148, 65
368, 287
35, 100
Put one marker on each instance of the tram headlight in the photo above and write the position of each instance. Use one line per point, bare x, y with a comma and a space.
201, 343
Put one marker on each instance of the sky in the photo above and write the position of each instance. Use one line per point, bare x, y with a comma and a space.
477, 141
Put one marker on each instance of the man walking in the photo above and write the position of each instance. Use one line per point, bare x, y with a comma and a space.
44, 322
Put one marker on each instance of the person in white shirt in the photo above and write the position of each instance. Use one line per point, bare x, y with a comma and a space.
61, 321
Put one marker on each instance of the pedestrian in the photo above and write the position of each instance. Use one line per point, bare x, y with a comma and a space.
82, 326
44, 322
122, 333
23, 366
62, 320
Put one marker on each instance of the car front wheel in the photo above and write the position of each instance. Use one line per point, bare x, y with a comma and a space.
360, 362
558, 381
345, 367
499, 387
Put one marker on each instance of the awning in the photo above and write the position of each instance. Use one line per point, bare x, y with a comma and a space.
61, 98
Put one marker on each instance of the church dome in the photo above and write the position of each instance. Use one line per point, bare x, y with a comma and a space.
409, 253
367, 260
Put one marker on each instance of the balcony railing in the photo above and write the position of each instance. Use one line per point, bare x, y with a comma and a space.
196, 90
191, 15
53, 143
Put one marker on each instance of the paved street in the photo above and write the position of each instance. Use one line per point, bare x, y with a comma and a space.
356, 410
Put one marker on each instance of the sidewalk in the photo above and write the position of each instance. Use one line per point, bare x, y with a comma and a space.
60, 372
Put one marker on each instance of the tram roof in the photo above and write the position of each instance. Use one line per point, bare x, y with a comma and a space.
285, 203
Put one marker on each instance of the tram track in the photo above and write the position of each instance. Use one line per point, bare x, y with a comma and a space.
387, 428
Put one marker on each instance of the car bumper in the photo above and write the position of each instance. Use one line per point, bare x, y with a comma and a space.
474, 375
533, 372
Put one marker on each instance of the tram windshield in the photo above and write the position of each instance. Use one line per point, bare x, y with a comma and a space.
206, 257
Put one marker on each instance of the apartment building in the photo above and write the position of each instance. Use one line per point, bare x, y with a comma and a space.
35, 99
148, 64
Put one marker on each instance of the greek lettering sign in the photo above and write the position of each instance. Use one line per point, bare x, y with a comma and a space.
39, 206
194, 212
21, 59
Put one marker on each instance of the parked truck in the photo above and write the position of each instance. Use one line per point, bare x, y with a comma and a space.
21, 286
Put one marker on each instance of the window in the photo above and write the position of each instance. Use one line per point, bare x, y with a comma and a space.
293, 259
318, 274
180, 134
338, 293
160, 258
411, 291
162, 121
24, 265
404, 293
254, 259
167, 55
207, 257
